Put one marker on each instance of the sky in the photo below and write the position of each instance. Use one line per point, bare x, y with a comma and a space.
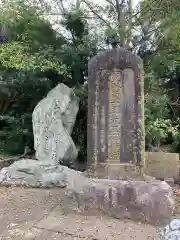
67, 3
135, 2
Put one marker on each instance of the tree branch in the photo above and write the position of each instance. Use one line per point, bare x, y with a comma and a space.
96, 14
62, 6
130, 22
110, 2
121, 4
121, 21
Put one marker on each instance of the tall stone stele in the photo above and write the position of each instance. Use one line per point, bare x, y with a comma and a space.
116, 111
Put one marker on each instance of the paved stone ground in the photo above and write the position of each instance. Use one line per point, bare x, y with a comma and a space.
40, 214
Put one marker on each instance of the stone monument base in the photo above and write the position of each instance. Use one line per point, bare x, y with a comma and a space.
117, 171
143, 201
159, 165
162, 165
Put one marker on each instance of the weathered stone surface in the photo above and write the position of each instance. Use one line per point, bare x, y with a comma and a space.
53, 120
171, 231
152, 202
94, 226
28, 172
21, 208
44, 214
116, 108
162, 165
117, 172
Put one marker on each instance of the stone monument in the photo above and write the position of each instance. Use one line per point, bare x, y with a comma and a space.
53, 121
116, 111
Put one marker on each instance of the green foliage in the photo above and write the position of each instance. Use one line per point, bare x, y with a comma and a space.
80, 129
162, 85
31, 40
15, 135
156, 122
20, 92
175, 147
18, 55
36, 59
76, 23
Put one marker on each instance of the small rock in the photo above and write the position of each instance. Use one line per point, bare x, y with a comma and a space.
171, 231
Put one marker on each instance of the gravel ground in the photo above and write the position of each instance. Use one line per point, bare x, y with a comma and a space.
40, 214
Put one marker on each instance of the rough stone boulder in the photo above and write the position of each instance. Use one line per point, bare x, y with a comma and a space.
53, 120
151, 202
171, 231
34, 173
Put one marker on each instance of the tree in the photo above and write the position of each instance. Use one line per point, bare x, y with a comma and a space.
43, 48
164, 68
33, 62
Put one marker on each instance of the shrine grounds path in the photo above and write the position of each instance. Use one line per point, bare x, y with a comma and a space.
40, 214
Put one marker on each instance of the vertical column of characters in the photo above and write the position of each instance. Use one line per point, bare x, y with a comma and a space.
95, 127
114, 135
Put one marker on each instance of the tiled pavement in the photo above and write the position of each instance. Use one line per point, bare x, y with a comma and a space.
43, 214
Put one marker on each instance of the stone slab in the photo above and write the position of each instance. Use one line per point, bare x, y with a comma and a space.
159, 165
150, 201
47, 235
96, 227
162, 165
21, 232
25, 206
116, 171
36, 214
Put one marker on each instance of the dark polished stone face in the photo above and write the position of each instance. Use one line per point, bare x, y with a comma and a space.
115, 111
